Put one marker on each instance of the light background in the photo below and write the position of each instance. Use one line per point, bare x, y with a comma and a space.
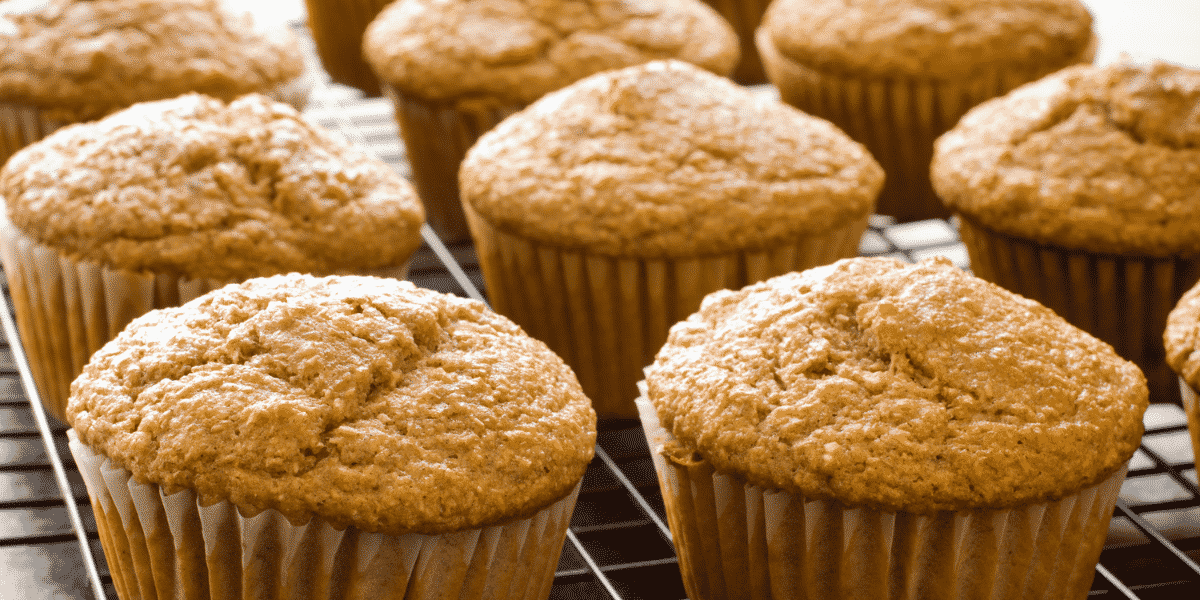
1144, 29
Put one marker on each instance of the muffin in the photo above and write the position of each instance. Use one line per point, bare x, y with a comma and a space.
1082, 191
337, 29
1180, 337
455, 68
163, 201
875, 429
604, 212
294, 436
896, 74
68, 62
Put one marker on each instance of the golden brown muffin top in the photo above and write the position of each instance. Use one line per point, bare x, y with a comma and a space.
1182, 335
512, 52
902, 387
366, 401
663, 160
930, 39
1104, 159
83, 60
202, 189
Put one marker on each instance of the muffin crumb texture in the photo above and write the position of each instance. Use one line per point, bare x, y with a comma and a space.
515, 51
86, 59
665, 159
197, 188
1105, 159
370, 402
902, 387
929, 39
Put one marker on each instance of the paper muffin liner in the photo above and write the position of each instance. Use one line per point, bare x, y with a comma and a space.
22, 125
1123, 300
67, 308
169, 546
737, 540
337, 30
436, 137
1191, 406
896, 118
607, 316
744, 16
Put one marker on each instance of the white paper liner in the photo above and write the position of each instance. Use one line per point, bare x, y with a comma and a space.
436, 137
1191, 406
896, 118
1123, 300
169, 546
736, 540
67, 309
607, 317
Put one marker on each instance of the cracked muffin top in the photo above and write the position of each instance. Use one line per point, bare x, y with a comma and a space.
666, 160
902, 387
82, 60
515, 51
1104, 159
366, 401
201, 189
931, 39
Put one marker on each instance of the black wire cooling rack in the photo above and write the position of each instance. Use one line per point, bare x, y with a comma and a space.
618, 546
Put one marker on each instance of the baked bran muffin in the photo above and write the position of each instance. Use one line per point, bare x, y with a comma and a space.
68, 62
163, 201
1179, 339
876, 429
896, 74
604, 212
456, 68
299, 437
1082, 191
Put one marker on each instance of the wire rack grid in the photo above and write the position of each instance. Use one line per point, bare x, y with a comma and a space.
618, 546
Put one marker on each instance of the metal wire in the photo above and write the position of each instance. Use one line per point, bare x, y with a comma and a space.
641, 500
456, 271
56, 465
1116, 583
1149, 531
593, 566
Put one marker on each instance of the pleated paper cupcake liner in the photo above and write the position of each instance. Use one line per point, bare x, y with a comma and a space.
67, 309
436, 138
897, 119
607, 317
337, 28
170, 546
1123, 300
22, 125
1191, 406
744, 16
737, 540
